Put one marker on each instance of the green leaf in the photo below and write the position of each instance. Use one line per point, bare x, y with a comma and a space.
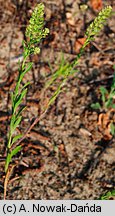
20, 111
10, 155
103, 90
22, 72
108, 103
56, 93
114, 75
13, 119
16, 138
96, 106
108, 195
112, 129
19, 99
26, 84
8, 160
113, 192
73, 71
112, 93
113, 106
113, 85
15, 151
103, 93
61, 72
16, 123
12, 99
29, 66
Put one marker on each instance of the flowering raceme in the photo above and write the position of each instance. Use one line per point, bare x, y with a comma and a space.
98, 23
35, 31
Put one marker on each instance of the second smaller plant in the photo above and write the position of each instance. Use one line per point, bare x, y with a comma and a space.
107, 98
106, 107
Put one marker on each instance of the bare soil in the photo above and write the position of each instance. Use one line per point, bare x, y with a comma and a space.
65, 156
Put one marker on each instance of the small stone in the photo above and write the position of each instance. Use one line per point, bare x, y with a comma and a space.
84, 132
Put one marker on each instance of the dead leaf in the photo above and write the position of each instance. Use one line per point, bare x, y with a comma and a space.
70, 19
103, 120
107, 132
96, 4
79, 43
104, 123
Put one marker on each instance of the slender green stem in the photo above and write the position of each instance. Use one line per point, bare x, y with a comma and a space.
9, 140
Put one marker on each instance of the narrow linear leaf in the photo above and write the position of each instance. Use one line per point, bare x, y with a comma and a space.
19, 99
15, 151
8, 160
73, 71
52, 99
16, 138
112, 94
29, 66
112, 128
103, 92
56, 93
20, 111
61, 72
26, 84
12, 98
17, 88
108, 103
13, 119
17, 122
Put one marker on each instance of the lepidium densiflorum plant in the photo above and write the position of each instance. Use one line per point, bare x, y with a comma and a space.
68, 69
35, 31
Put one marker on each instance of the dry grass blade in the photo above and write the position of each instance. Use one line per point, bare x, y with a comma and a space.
7, 177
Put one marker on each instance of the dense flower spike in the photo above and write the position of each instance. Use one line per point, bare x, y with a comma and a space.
98, 23
35, 31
